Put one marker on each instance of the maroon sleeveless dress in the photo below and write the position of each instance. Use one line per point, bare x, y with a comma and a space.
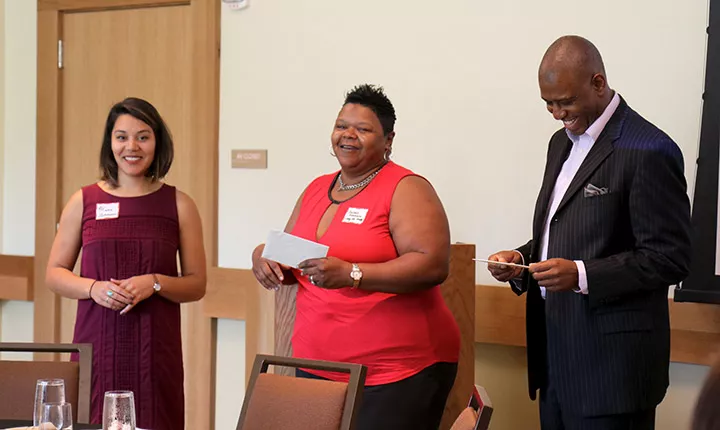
140, 351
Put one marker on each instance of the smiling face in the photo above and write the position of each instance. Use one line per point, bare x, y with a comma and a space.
133, 146
358, 139
574, 97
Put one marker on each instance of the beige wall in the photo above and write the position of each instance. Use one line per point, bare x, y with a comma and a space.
2, 125
2, 112
17, 152
462, 76
19, 133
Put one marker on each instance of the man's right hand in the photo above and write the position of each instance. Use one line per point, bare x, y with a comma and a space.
505, 273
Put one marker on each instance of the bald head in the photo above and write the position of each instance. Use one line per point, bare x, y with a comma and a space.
573, 84
573, 55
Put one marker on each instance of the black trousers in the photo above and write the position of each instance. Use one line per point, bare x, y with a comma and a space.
414, 403
554, 417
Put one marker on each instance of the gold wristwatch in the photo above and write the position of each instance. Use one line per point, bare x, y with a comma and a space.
356, 274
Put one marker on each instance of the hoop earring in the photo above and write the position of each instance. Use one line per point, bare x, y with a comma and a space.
332, 153
386, 156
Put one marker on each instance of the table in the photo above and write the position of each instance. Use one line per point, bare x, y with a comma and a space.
4, 424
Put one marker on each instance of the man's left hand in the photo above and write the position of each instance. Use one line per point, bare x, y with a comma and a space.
330, 272
556, 274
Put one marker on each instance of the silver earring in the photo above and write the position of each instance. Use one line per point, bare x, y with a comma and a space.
332, 152
386, 156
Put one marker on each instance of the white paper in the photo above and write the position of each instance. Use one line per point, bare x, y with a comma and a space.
500, 263
291, 250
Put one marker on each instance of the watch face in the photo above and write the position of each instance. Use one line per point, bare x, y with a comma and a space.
356, 275
156, 287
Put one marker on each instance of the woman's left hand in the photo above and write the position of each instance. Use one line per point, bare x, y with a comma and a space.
139, 286
331, 273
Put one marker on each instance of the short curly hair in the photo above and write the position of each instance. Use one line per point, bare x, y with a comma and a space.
374, 98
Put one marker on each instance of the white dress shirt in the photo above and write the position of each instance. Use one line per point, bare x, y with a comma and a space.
580, 148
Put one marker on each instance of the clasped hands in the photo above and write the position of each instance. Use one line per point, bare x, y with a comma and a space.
122, 295
329, 272
555, 274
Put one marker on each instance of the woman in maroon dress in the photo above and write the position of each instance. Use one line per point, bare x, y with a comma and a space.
131, 227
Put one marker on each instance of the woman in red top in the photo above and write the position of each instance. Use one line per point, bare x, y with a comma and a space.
375, 299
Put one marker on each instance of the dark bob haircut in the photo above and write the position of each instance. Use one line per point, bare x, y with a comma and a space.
145, 112
374, 98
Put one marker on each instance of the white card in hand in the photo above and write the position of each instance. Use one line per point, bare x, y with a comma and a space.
291, 250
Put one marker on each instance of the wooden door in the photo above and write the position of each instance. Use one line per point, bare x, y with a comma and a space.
110, 55
112, 49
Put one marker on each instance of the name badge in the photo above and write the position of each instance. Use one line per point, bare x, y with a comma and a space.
355, 216
107, 210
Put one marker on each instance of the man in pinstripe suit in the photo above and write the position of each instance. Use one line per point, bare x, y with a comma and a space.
611, 232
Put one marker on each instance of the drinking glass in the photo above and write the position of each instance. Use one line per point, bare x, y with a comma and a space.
56, 416
119, 411
47, 391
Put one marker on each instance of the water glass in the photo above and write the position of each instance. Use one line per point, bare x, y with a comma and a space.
56, 416
119, 411
47, 391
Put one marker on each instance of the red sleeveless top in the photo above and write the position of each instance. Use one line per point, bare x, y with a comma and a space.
394, 335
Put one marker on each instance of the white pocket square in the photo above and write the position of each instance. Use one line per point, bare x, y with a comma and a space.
591, 190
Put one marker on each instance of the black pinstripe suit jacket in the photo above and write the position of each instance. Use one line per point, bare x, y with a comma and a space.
608, 352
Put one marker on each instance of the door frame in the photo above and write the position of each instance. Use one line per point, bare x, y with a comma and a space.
199, 346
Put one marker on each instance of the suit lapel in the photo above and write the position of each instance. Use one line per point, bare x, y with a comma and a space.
559, 150
598, 153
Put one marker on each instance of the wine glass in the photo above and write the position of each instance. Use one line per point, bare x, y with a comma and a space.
119, 411
47, 391
56, 416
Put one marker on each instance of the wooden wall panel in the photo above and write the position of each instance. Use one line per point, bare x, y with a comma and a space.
235, 294
499, 316
695, 332
695, 327
16, 277
227, 293
458, 290
47, 174
199, 331
284, 323
90, 5
259, 325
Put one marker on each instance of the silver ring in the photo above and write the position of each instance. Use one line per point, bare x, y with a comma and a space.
312, 281
107, 299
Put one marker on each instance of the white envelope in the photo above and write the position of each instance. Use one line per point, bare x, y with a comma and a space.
291, 250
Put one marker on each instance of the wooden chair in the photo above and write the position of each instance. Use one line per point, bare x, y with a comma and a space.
476, 416
19, 379
275, 401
